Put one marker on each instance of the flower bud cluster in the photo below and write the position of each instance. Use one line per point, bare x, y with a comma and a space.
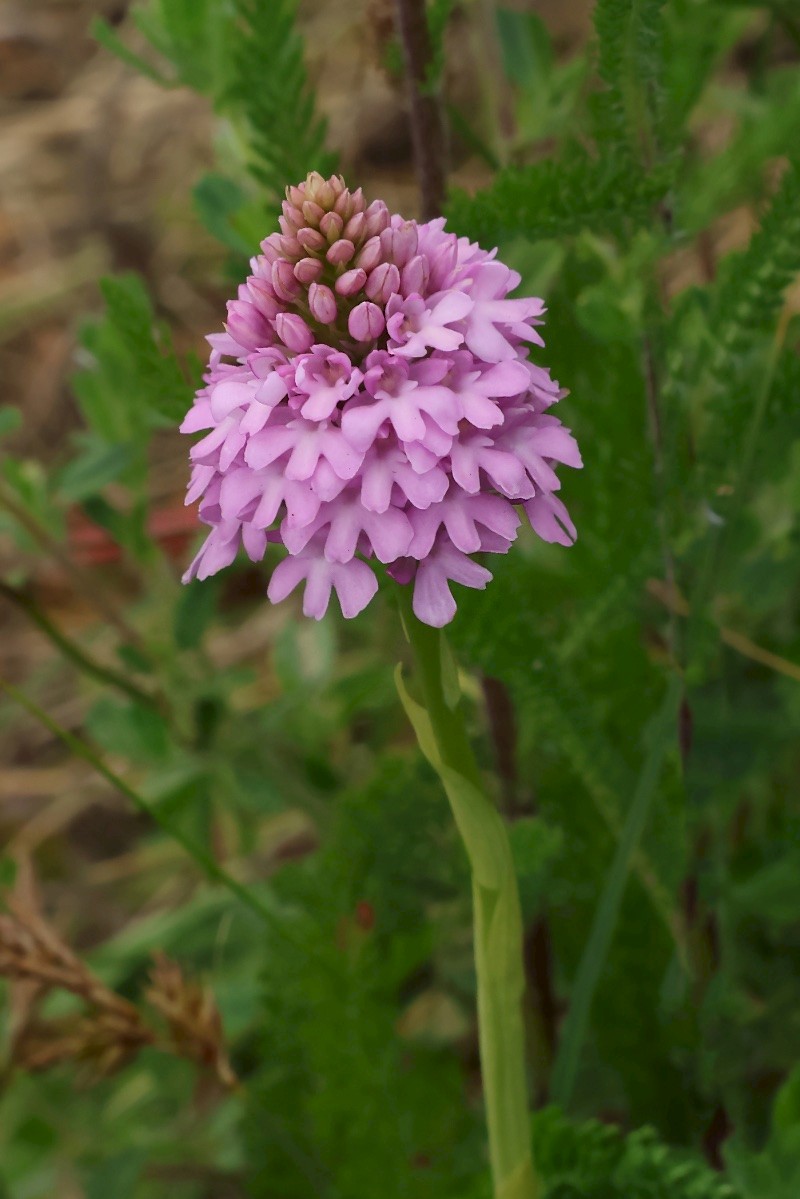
371, 400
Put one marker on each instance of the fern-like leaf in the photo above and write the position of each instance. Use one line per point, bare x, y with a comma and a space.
725, 348
631, 66
134, 365
272, 90
560, 198
595, 1161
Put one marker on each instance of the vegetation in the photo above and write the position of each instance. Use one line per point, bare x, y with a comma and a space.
295, 855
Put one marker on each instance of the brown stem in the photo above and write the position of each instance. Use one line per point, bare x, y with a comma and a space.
502, 726
539, 971
427, 124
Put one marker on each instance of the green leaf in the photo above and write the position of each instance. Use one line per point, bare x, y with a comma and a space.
786, 1109
218, 199
594, 1160
132, 730
102, 33
661, 735
772, 893
117, 1176
194, 612
98, 466
479, 825
134, 381
8, 873
525, 46
631, 65
287, 137
10, 419
559, 198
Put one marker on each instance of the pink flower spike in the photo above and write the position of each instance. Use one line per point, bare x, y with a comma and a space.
412, 440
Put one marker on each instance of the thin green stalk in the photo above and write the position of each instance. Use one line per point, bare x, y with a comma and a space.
73, 652
605, 919
442, 736
201, 856
87, 586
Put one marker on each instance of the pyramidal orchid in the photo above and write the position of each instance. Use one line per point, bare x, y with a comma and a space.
372, 401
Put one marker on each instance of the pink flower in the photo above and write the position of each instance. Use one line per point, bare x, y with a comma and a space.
372, 401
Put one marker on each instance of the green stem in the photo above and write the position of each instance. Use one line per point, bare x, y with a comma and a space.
605, 918
201, 856
74, 653
442, 736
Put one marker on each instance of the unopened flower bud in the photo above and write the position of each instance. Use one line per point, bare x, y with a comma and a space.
308, 270
322, 303
354, 229
246, 326
312, 212
283, 280
263, 296
293, 332
326, 196
290, 247
269, 249
414, 276
311, 239
377, 218
400, 245
370, 254
351, 282
383, 282
331, 226
341, 251
366, 322
292, 213
344, 205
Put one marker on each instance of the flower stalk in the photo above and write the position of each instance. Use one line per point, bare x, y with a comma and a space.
442, 736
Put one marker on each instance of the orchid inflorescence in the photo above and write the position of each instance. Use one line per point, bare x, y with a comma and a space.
372, 399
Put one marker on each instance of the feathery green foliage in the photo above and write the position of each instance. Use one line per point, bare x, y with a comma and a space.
631, 65
595, 1161
131, 353
248, 57
559, 198
270, 87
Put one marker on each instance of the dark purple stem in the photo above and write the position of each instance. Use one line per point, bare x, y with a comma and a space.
427, 124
